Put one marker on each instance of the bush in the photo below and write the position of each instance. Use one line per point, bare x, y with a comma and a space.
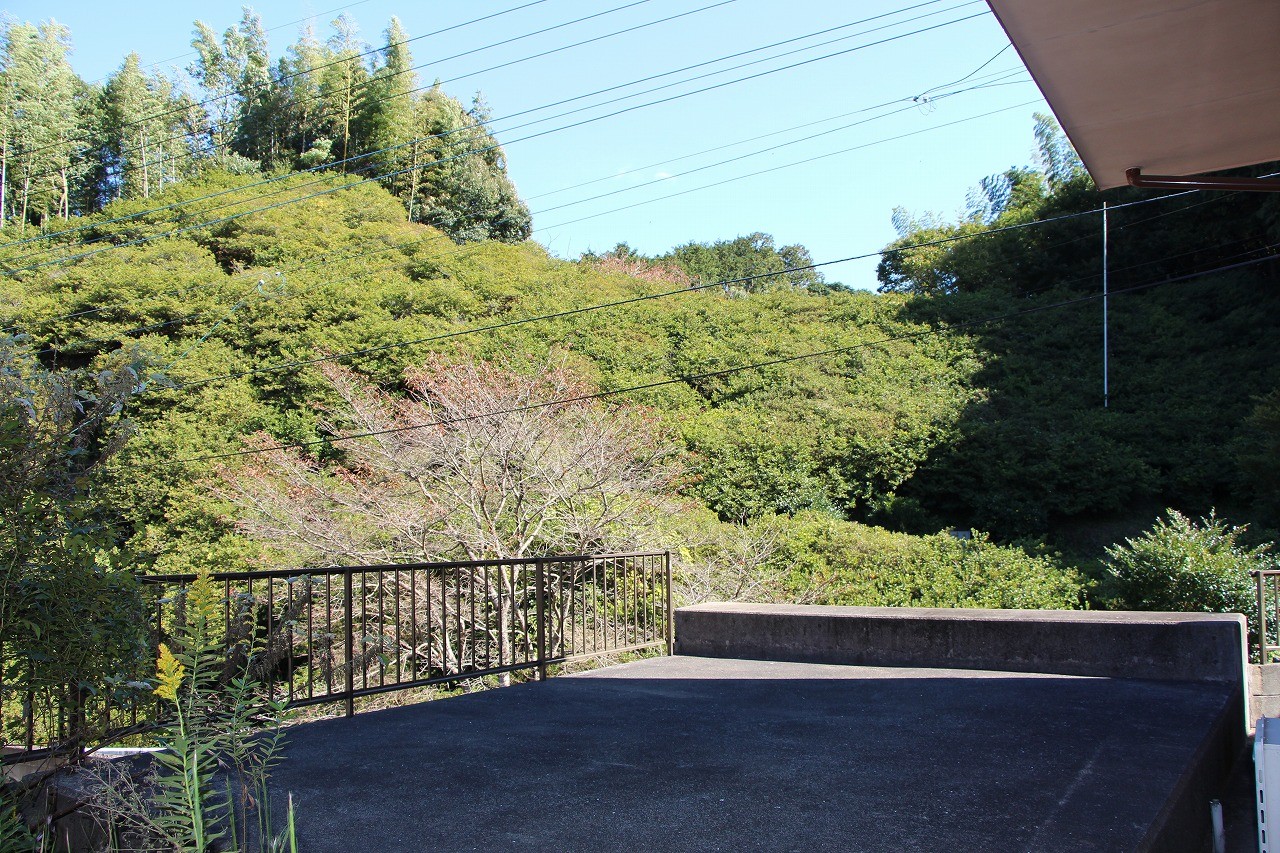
1185, 565
839, 562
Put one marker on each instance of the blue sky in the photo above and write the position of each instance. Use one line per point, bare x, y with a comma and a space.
838, 205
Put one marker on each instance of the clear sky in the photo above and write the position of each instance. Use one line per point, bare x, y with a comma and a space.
837, 205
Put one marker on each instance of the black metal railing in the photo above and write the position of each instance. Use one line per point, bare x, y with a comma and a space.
314, 636
1265, 630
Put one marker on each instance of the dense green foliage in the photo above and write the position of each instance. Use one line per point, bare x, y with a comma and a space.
753, 263
1181, 564
832, 562
1182, 426
838, 433
69, 611
70, 147
924, 413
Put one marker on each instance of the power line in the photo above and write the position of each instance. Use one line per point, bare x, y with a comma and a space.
256, 86
490, 122
290, 365
397, 172
160, 62
383, 248
417, 89
776, 148
695, 377
994, 77
787, 165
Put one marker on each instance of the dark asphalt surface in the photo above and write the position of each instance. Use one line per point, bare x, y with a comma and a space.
690, 753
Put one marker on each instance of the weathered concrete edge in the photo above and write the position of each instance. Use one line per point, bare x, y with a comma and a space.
1184, 823
1206, 647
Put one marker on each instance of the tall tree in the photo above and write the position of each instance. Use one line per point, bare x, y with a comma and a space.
44, 122
340, 85
232, 71
301, 96
387, 116
136, 120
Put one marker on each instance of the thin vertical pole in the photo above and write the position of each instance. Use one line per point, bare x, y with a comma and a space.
539, 591
671, 628
1106, 378
1262, 620
349, 606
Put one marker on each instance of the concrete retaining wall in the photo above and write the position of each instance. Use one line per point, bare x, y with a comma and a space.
1264, 691
1204, 647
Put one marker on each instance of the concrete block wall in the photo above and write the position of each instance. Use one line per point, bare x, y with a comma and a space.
1264, 691
1206, 647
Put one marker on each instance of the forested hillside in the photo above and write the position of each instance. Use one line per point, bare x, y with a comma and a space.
68, 147
1190, 416
316, 275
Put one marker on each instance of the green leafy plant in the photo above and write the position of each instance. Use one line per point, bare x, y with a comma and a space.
219, 741
1181, 564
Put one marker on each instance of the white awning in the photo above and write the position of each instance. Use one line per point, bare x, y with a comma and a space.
1173, 87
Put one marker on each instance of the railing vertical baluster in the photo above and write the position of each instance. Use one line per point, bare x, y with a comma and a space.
349, 608
539, 590
1262, 618
290, 626
271, 613
595, 605
430, 608
457, 612
413, 624
444, 624
475, 645
488, 618
311, 638
670, 626
1275, 604
382, 626
364, 628
328, 626
399, 656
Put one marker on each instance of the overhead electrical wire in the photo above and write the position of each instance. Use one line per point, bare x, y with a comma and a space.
257, 86
381, 247
487, 124
177, 320
994, 78
778, 168
373, 79
712, 374
160, 62
491, 327
401, 171
417, 89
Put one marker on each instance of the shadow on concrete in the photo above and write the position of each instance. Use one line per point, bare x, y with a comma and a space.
690, 753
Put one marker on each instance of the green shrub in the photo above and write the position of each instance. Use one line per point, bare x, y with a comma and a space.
839, 562
1185, 565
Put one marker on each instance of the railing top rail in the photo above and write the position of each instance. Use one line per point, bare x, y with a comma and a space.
441, 564
1264, 572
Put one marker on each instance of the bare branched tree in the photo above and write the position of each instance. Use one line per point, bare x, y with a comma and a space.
470, 464
477, 461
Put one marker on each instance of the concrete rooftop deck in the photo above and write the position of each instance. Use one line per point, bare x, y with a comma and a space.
694, 753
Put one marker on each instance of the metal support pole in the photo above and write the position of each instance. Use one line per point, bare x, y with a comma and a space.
540, 604
671, 627
349, 606
1262, 618
1106, 383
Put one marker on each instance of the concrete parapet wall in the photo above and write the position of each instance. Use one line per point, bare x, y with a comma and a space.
1207, 647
